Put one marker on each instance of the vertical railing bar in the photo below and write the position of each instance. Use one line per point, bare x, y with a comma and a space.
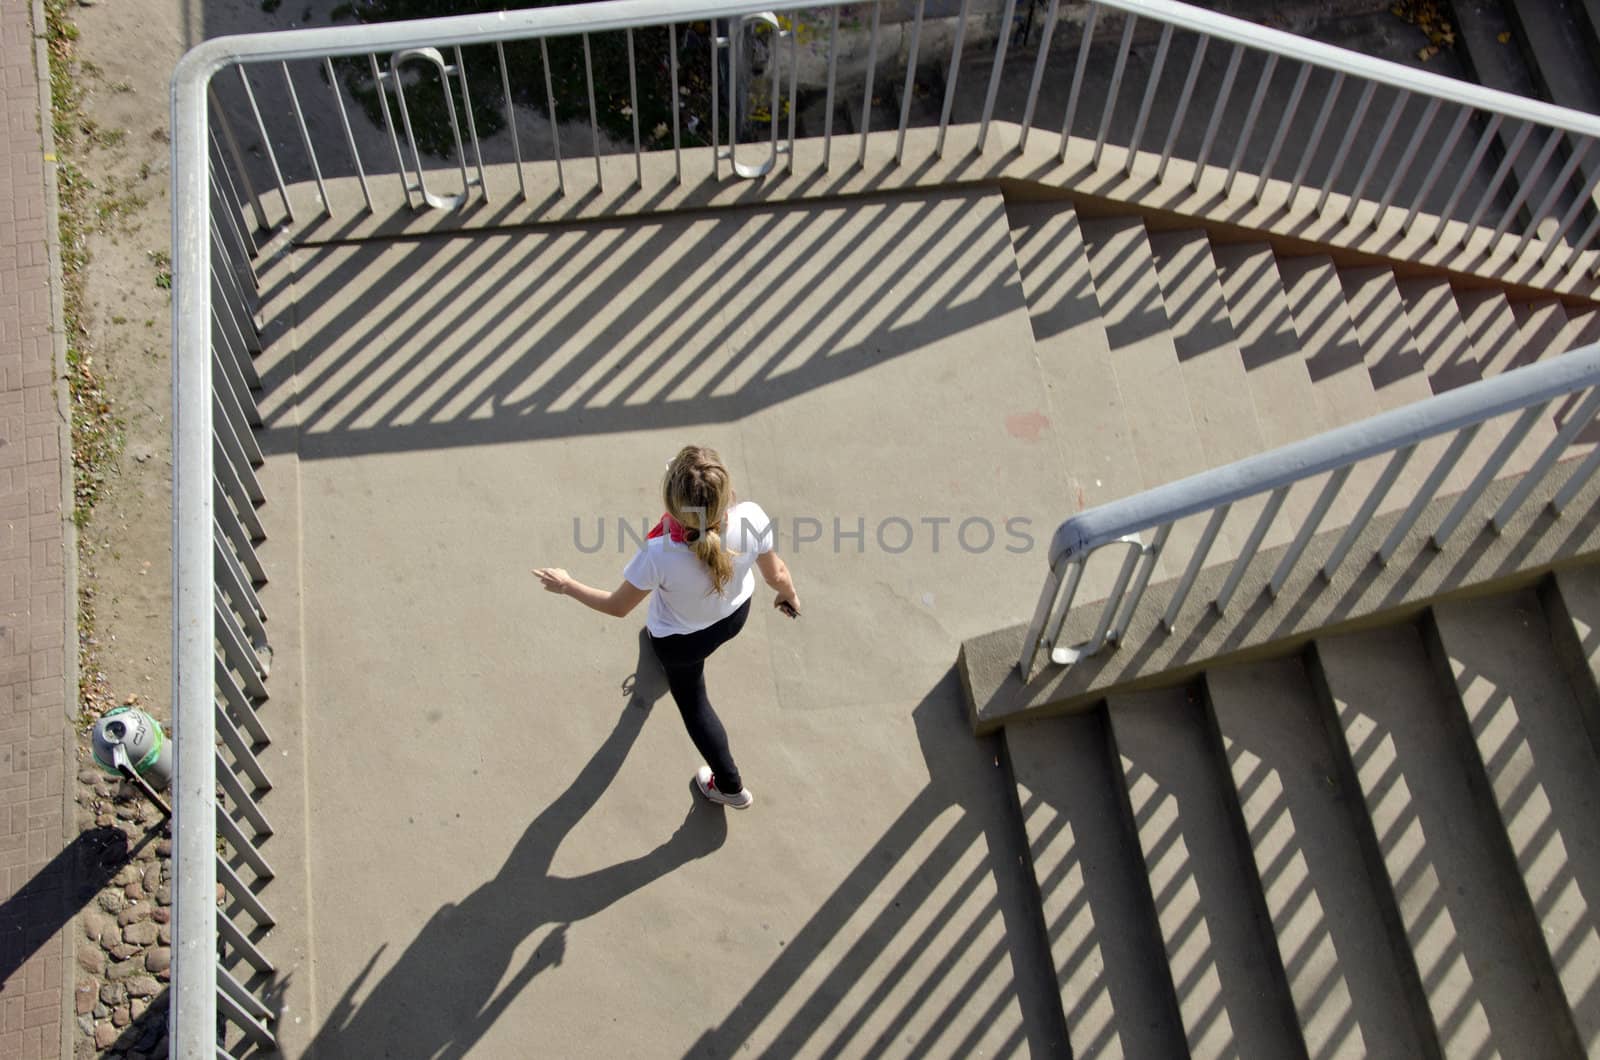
1156, 69
1549, 201
248, 1001
1147, 566
1485, 140
235, 459
1036, 626
1252, 545
220, 119
794, 84
1429, 114
1570, 488
241, 370
911, 76
550, 106
1457, 127
1308, 529
266, 141
472, 128
1585, 197
1397, 108
245, 659
1183, 106
235, 212
954, 72
735, 63
232, 488
242, 845
305, 137
238, 299
1248, 132
1579, 419
1114, 89
1363, 515
236, 791
349, 134
1486, 474
1045, 36
1309, 152
1207, 538
243, 895
1078, 71
833, 67
1113, 604
378, 78
1006, 16
240, 703
1282, 133
1497, 180
716, 132
228, 1008
1425, 494
872, 73
594, 114
248, 763
236, 940
228, 403
233, 530
677, 105
633, 103
1525, 187
511, 118
1070, 593
1343, 153
239, 586
245, 604
244, 330
1234, 59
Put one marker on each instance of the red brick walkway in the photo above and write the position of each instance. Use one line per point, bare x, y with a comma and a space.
33, 712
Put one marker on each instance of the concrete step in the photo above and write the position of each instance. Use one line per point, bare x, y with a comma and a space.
1442, 337
1210, 362
1115, 991
1558, 44
1281, 387
1571, 601
1231, 993
1353, 993
1166, 442
1388, 348
1496, 343
1541, 330
1543, 774
1426, 836
1074, 355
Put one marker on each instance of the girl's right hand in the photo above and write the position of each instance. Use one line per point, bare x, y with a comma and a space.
788, 602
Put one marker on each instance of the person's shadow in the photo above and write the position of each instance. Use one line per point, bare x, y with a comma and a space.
440, 996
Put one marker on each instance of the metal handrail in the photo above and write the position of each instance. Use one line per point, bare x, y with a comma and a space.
219, 631
1397, 434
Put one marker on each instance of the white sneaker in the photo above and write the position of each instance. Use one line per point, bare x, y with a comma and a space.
707, 784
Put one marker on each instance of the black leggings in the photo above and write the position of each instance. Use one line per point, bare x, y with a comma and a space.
683, 656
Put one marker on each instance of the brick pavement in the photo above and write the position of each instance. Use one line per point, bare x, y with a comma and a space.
34, 728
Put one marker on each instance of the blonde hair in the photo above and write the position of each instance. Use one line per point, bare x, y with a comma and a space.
698, 492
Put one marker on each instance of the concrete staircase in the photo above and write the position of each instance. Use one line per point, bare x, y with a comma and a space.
1384, 844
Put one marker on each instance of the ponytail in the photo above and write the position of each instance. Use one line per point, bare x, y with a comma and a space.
698, 491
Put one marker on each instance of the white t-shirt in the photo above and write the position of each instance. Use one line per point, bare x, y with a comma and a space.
682, 600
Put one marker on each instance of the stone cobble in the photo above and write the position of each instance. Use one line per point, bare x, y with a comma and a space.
124, 939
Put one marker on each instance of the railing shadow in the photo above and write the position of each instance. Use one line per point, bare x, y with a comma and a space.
613, 327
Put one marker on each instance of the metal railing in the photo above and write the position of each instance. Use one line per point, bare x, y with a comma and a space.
269, 127
1531, 393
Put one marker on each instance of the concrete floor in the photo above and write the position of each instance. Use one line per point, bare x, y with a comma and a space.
501, 842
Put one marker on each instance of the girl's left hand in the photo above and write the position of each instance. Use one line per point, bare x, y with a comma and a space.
555, 579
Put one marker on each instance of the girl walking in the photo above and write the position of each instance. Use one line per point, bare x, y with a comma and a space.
698, 570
